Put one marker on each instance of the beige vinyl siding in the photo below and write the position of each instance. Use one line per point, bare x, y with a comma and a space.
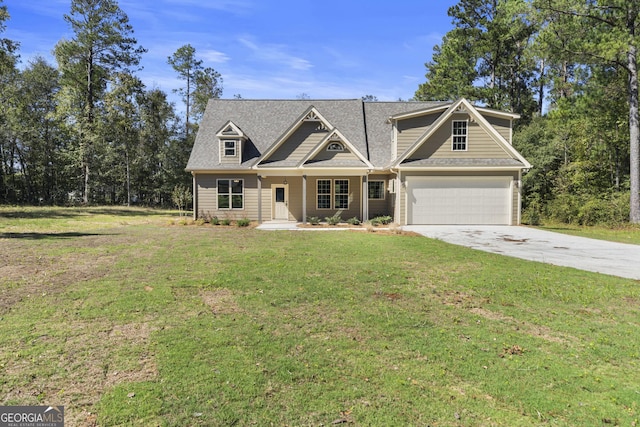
480, 145
294, 187
403, 190
503, 126
355, 198
323, 154
384, 206
409, 130
230, 160
300, 143
207, 194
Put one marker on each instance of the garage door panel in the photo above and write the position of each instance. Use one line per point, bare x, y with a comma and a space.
458, 200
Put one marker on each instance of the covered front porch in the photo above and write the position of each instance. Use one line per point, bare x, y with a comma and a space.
296, 196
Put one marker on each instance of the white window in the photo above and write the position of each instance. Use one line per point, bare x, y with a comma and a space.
229, 148
376, 190
230, 194
338, 194
335, 146
459, 133
341, 194
324, 194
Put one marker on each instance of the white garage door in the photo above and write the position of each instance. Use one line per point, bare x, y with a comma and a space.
458, 200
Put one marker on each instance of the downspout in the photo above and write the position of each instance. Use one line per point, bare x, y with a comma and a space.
195, 197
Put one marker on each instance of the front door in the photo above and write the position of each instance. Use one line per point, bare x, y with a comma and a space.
280, 202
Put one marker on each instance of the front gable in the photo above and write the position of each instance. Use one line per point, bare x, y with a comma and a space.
335, 151
461, 132
294, 145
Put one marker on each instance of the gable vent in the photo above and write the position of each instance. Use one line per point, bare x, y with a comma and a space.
311, 117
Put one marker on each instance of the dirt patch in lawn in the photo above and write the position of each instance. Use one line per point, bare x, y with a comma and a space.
24, 273
220, 301
79, 365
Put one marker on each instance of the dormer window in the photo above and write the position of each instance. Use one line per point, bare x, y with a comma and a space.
229, 148
335, 146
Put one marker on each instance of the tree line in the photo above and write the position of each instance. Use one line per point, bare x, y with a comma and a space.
569, 68
88, 130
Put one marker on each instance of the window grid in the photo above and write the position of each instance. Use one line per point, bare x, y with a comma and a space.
338, 193
230, 148
376, 190
459, 132
230, 194
341, 194
324, 194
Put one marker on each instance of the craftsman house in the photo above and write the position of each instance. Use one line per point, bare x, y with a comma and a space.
419, 162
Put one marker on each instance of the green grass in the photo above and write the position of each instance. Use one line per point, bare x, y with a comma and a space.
128, 320
626, 234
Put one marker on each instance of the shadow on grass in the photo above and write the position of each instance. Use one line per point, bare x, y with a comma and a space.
62, 212
38, 236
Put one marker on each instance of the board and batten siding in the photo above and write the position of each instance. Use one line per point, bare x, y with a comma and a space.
515, 205
300, 143
207, 196
480, 145
409, 130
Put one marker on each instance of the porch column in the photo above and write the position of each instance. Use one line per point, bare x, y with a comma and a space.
304, 199
365, 199
259, 199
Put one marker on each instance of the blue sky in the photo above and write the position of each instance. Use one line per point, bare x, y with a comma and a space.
267, 48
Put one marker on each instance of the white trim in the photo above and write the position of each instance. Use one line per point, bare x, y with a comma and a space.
466, 135
294, 126
230, 194
334, 135
234, 148
384, 188
484, 124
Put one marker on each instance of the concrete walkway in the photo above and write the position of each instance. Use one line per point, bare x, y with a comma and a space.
617, 259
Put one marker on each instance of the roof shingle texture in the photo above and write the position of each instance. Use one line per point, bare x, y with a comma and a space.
364, 124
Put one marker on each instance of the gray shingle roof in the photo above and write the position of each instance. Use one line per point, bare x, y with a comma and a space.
364, 124
464, 162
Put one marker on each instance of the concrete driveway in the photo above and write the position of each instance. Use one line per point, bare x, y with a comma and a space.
617, 259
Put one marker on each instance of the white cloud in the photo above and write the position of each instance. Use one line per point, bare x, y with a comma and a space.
276, 54
213, 56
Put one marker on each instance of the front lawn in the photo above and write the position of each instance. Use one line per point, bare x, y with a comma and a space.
133, 321
623, 234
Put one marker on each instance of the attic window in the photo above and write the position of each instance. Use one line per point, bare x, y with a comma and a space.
229, 148
459, 134
335, 146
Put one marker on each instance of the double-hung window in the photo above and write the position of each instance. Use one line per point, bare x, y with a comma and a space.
459, 132
376, 190
324, 194
229, 148
333, 194
341, 194
230, 194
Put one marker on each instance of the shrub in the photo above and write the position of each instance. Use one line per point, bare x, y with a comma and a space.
225, 221
381, 220
313, 220
200, 221
353, 221
333, 220
244, 222
214, 220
